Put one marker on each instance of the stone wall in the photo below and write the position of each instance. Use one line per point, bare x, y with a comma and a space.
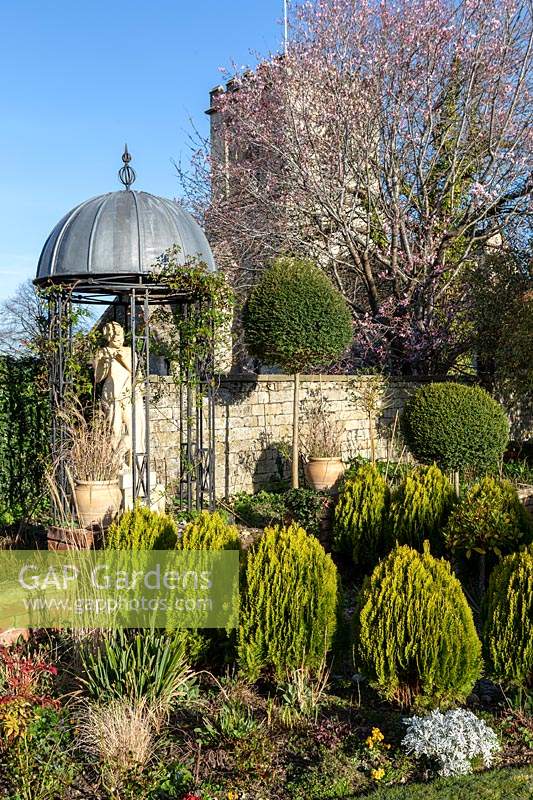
253, 422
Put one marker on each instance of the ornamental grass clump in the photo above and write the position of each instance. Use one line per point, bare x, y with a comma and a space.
361, 516
415, 635
141, 528
451, 740
420, 508
288, 604
122, 738
508, 621
455, 426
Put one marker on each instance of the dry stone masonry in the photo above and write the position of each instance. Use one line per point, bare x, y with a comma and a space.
253, 424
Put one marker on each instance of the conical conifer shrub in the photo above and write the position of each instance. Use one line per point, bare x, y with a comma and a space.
508, 625
140, 528
361, 517
420, 508
415, 634
209, 531
288, 603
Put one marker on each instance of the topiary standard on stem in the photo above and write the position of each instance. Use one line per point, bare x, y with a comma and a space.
296, 319
416, 639
455, 426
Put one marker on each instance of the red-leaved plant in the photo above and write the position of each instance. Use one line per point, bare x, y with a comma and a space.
25, 687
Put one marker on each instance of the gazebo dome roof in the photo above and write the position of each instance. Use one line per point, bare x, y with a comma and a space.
120, 234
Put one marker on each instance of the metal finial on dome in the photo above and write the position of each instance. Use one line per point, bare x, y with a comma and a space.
126, 173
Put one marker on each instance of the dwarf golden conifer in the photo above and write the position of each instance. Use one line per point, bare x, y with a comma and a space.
142, 529
288, 603
416, 639
420, 508
209, 531
361, 516
508, 627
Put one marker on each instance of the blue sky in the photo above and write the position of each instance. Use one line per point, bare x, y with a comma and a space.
79, 78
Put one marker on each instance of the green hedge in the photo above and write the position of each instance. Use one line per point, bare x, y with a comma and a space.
24, 438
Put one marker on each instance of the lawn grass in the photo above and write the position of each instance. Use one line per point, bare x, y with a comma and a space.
504, 784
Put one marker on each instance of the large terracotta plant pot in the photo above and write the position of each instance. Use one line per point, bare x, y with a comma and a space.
97, 502
323, 474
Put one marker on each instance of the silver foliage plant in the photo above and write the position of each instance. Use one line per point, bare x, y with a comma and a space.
452, 740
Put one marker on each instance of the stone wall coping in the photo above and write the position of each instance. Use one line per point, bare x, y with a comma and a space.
252, 377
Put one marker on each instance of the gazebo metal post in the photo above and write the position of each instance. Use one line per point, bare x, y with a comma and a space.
140, 376
147, 396
196, 386
133, 331
60, 349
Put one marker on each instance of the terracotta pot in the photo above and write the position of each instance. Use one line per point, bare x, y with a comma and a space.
9, 636
69, 538
98, 502
323, 474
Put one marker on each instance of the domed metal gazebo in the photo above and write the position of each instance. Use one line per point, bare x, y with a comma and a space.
103, 253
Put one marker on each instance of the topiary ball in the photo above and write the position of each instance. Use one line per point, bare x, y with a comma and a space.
295, 317
455, 426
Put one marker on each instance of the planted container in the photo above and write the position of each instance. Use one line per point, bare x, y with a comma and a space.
97, 502
324, 474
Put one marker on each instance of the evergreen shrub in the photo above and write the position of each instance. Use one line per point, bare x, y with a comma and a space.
288, 604
455, 426
508, 620
415, 634
295, 317
490, 518
361, 516
209, 531
141, 528
24, 438
420, 508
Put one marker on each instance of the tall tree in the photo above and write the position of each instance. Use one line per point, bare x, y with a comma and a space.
390, 144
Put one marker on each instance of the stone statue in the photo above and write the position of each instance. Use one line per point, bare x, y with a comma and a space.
112, 365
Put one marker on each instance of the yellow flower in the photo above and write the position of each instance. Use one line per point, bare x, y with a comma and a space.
378, 774
377, 735
370, 742
233, 796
